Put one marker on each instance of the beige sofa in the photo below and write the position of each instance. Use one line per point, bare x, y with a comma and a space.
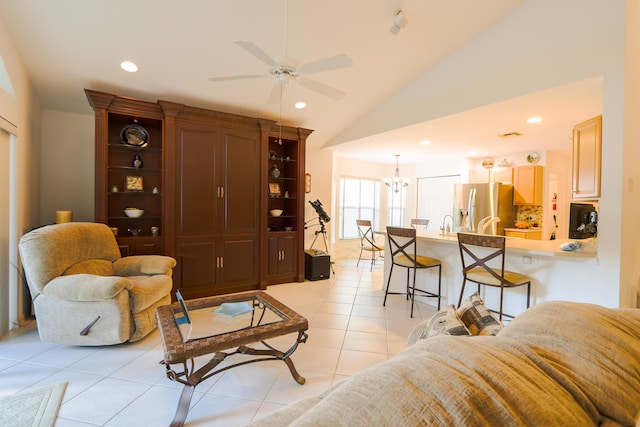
557, 364
76, 275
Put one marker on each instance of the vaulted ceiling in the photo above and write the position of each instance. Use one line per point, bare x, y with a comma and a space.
69, 45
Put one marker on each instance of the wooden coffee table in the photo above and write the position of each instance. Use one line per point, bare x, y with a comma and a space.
216, 327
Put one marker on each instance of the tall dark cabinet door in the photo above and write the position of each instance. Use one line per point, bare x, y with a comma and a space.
197, 193
240, 181
216, 209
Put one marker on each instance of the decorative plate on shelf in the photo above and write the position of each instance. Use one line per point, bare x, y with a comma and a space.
134, 136
533, 158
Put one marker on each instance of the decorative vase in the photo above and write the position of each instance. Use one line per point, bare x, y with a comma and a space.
275, 172
137, 161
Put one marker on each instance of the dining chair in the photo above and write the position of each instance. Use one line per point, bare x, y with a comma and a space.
483, 259
404, 253
368, 241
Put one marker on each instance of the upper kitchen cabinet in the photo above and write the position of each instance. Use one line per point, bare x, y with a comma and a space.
527, 188
587, 155
503, 175
129, 171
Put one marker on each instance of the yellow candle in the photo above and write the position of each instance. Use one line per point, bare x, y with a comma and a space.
64, 216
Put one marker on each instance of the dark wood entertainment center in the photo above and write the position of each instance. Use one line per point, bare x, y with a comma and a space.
208, 181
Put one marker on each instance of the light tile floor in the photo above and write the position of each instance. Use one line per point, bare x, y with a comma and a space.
124, 385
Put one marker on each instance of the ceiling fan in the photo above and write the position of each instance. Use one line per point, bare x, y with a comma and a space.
285, 71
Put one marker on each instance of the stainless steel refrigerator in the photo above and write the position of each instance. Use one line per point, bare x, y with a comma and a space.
476, 208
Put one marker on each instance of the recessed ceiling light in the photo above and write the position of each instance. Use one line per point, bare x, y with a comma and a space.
425, 142
472, 153
534, 120
129, 66
300, 105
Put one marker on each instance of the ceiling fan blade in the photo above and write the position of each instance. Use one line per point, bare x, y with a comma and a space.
276, 93
326, 64
238, 77
257, 52
322, 89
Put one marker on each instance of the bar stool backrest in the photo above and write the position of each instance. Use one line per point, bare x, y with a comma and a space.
469, 245
367, 239
416, 222
402, 244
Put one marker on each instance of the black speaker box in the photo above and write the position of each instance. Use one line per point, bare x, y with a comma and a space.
317, 265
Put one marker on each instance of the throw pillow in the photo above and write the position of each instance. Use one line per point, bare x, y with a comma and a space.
477, 317
445, 322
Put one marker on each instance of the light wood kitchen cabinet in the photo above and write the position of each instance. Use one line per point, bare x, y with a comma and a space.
531, 233
587, 154
527, 188
497, 174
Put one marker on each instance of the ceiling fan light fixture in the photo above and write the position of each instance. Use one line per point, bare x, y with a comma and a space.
300, 105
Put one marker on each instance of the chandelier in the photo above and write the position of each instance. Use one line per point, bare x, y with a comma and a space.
396, 183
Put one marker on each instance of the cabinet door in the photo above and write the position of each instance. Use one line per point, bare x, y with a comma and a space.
282, 255
197, 193
274, 255
289, 255
240, 182
587, 153
196, 272
238, 264
527, 189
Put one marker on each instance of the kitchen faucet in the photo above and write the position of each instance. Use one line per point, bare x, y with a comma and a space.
446, 228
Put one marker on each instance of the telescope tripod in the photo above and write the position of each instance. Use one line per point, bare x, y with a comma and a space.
323, 231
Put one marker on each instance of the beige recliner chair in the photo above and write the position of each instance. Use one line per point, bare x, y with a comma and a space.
84, 292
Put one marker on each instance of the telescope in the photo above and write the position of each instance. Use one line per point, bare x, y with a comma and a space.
322, 214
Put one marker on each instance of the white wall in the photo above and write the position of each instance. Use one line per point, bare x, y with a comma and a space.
629, 225
22, 113
67, 180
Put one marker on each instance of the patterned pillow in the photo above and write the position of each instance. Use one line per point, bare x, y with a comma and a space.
445, 322
477, 317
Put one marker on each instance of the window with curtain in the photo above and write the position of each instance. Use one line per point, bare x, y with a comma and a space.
359, 199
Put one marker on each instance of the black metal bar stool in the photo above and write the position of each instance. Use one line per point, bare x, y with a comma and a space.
403, 248
476, 268
368, 241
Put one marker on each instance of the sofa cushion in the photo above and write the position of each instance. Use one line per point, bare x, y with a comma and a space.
477, 317
99, 267
444, 322
449, 381
589, 347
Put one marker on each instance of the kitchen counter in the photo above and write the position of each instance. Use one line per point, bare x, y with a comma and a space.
522, 246
556, 274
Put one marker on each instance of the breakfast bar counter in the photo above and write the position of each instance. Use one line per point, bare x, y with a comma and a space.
557, 274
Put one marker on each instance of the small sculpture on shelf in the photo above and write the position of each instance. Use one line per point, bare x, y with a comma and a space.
275, 172
137, 161
134, 231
